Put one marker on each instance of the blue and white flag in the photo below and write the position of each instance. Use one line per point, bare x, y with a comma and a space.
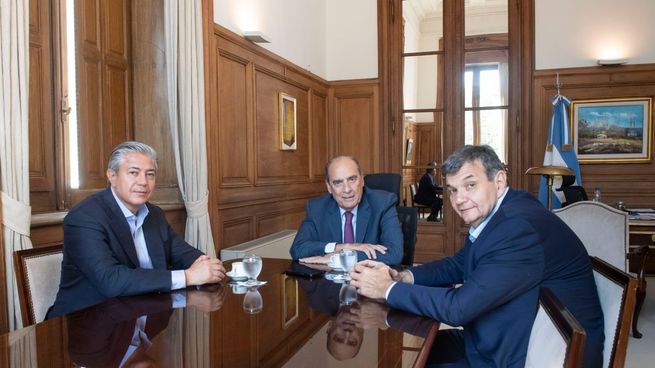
559, 151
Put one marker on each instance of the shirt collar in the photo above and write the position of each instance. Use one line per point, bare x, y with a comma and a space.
141, 213
354, 211
475, 232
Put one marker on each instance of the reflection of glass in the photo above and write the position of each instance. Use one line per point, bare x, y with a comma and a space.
252, 301
252, 266
347, 294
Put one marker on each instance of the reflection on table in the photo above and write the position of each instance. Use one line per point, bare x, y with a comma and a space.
294, 322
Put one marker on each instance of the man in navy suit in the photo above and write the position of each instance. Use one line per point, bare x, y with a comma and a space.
514, 247
368, 215
118, 244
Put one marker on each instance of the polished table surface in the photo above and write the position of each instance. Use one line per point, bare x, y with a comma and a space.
301, 324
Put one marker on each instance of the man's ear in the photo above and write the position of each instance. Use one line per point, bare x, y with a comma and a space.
111, 174
501, 180
327, 185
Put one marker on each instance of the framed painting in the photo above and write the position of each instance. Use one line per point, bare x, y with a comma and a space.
287, 122
409, 151
612, 130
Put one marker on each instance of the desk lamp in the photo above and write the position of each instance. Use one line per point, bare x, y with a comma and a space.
549, 172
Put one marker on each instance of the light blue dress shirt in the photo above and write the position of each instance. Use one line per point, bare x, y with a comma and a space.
178, 280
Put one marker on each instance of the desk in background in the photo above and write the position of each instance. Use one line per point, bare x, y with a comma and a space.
642, 232
289, 331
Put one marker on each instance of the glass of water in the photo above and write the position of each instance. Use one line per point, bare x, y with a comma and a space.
348, 259
347, 294
253, 301
252, 266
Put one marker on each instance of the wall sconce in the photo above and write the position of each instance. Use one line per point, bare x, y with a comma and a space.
256, 36
612, 62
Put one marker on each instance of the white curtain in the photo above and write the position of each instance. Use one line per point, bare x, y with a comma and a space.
22, 348
186, 87
14, 149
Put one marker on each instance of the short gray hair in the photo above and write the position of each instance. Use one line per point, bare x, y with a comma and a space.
118, 154
471, 153
330, 161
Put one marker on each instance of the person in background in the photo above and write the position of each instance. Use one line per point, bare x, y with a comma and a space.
428, 190
350, 216
514, 247
116, 243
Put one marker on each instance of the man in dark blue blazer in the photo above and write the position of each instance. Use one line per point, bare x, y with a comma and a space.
515, 246
376, 229
118, 244
428, 190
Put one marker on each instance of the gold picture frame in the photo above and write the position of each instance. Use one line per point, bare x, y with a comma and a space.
287, 122
612, 130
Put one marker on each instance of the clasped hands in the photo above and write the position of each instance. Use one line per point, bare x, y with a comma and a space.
204, 270
372, 279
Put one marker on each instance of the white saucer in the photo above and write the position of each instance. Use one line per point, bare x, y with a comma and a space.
236, 277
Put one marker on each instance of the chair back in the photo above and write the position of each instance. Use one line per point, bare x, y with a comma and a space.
38, 271
389, 182
602, 229
408, 217
557, 339
412, 189
617, 293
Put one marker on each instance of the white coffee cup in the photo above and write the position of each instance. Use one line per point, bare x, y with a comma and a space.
335, 262
237, 269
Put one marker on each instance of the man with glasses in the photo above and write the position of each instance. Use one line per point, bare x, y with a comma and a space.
349, 216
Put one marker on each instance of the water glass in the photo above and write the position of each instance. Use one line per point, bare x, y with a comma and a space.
253, 302
252, 266
347, 294
348, 259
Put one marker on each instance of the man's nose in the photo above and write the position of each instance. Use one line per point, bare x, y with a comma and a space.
142, 179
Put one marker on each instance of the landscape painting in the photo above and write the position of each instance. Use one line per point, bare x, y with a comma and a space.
612, 130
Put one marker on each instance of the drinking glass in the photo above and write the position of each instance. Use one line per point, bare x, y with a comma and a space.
347, 294
252, 266
348, 258
253, 301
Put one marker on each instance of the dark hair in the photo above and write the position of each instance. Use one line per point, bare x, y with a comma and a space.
118, 154
329, 163
432, 165
471, 153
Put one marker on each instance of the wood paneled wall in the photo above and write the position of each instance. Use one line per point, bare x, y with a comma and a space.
41, 119
630, 183
256, 188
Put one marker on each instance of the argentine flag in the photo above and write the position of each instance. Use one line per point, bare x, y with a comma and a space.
559, 151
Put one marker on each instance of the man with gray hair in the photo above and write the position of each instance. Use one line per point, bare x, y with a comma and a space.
514, 247
116, 243
349, 216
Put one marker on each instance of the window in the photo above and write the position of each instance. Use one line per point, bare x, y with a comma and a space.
486, 115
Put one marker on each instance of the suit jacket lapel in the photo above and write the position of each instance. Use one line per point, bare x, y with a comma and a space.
334, 222
153, 242
363, 213
120, 227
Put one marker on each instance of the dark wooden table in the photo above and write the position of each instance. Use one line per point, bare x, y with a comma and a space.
301, 324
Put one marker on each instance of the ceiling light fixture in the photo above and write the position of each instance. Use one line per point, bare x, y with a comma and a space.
256, 36
612, 62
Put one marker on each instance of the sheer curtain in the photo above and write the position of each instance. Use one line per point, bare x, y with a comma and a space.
185, 70
14, 135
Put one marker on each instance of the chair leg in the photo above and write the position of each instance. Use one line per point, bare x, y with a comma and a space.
641, 296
